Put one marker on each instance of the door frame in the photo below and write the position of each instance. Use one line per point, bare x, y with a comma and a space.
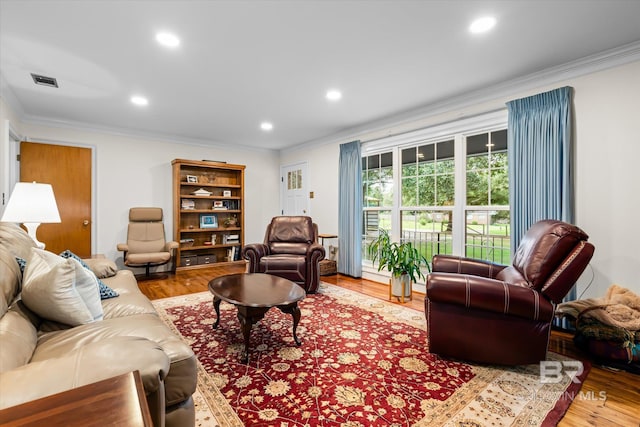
11, 140
304, 165
94, 210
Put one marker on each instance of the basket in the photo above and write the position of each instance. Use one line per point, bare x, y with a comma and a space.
186, 243
328, 267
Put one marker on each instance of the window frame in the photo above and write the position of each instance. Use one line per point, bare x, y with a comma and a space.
458, 130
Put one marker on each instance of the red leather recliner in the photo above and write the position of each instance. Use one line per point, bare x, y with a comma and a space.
489, 313
290, 250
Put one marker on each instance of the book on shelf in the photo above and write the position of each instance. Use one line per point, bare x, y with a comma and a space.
233, 253
188, 204
231, 204
230, 238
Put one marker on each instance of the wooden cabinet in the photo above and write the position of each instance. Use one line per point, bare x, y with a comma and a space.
208, 212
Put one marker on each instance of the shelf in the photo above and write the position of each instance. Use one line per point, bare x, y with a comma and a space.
216, 264
209, 230
208, 184
191, 196
209, 211
198, 248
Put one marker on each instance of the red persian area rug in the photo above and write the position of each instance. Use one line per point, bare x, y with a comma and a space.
362, 362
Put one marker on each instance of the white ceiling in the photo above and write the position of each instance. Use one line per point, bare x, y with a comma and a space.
243, 62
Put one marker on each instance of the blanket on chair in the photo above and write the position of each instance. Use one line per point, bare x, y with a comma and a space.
619, 308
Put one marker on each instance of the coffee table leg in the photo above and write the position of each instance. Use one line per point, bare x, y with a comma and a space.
245, 324
294, 311
216, 307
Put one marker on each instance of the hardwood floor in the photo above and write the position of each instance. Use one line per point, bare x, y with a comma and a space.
621, 407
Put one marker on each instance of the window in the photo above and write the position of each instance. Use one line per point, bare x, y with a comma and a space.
446, 194
294, 180
487, 196
428, 193
377, 180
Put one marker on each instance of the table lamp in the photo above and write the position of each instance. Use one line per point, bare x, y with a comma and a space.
32, 204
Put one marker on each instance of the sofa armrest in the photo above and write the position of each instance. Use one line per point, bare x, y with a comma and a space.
91, 363
483, 294
461, 265
101, 267
316, 251
253, 252
171, 246
123, 247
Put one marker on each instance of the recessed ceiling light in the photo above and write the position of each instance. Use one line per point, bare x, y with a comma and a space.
334, 95
167, 39
139, 100
266, 126
482, 25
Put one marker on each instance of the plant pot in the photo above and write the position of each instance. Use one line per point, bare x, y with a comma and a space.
400, 283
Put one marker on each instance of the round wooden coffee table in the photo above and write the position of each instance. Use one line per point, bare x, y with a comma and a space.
254, 294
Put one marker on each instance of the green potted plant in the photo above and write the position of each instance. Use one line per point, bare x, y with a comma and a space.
402, 260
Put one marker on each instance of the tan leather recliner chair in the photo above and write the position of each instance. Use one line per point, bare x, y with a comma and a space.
146, 245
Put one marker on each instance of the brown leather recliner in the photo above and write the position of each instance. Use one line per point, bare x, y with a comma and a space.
290, 250
490, 313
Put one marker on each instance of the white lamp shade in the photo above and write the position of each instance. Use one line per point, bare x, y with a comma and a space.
31, 203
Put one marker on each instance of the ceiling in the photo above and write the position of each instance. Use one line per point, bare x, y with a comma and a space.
243, 62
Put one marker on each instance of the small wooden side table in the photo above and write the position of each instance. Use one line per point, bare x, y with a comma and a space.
328, 267
118, 401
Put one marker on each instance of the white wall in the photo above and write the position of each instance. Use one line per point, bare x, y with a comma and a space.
7, 118
137, 172
607, 178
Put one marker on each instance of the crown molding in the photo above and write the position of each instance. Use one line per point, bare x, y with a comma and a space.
588, 65
129, 133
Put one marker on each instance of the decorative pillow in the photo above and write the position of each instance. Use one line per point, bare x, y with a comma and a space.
22, 263
60, 289
105, 291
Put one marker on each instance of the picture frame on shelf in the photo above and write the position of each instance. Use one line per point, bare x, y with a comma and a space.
192, 179
226, 193
218, 204
208, 221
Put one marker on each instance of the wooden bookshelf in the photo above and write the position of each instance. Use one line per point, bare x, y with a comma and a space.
203, 223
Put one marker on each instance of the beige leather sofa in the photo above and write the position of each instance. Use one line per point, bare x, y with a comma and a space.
39, 357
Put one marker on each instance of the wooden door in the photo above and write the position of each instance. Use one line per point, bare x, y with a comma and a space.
68, 170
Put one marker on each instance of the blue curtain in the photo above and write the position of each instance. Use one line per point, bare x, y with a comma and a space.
540, 153
540, 176
350, 210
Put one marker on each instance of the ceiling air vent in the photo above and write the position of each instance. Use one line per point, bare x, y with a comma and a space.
44, 80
